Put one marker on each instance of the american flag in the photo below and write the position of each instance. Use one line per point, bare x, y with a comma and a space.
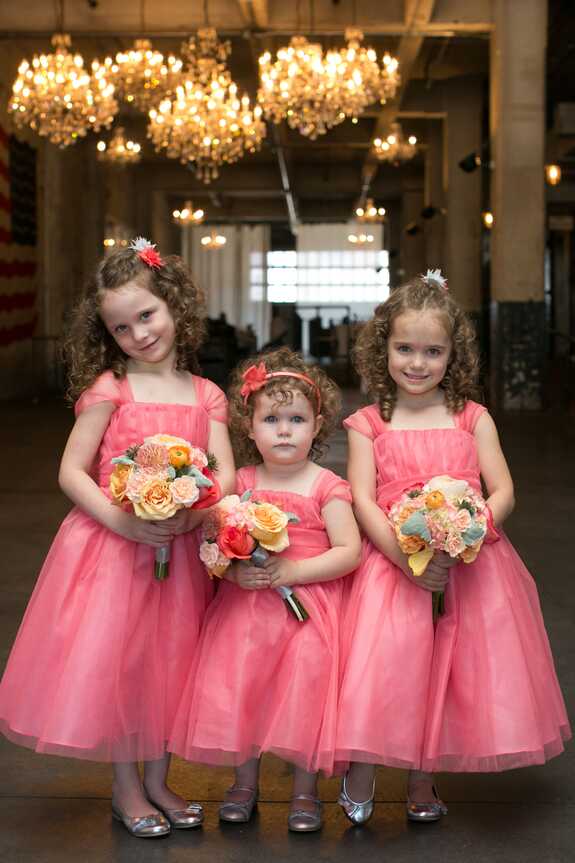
18, 314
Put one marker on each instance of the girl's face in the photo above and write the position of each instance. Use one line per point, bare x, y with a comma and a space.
418, 351
284, 433
140, 323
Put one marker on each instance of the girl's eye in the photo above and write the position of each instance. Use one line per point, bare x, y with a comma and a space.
121, 328
297, 419
271, 418
434, 352
146, 315
403, 349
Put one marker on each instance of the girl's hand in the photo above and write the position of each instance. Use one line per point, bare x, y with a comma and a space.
251, 577
184, 520
154, 533
436, 575
282, 572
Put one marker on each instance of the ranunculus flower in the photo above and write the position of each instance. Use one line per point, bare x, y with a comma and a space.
152, 455
185, 490
178, 456
462, 519
156, 502
236, 543
434, 500
270, 526
119, 481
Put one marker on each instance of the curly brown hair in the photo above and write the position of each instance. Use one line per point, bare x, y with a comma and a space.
370, 352
89, 349
281, 389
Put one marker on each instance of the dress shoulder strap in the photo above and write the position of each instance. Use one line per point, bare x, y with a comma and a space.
245, 478
367, 421
468, 417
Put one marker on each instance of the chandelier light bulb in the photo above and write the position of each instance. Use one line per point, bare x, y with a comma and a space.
395, 147
553, 174
188, 215
213, 241
119, 151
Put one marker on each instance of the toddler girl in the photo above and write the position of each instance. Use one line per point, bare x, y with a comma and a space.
104, 648
479, 693
263, 681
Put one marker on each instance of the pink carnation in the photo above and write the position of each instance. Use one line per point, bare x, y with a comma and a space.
185, 490
462, 519
198, 458
454, 545
152, 455
210, 555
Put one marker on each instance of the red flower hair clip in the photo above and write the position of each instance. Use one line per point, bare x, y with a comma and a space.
146, 252
256, 377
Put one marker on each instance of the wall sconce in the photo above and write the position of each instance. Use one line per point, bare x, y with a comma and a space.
552, 175
487, 219
412, 229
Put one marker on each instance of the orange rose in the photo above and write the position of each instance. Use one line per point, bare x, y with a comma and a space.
119, 480
434, 500
411, 544
469, 554
270, 526
156, 502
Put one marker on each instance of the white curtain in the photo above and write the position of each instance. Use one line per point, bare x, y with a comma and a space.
234, 276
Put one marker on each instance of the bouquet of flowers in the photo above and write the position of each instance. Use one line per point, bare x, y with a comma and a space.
445, 515
244, 529
161, 476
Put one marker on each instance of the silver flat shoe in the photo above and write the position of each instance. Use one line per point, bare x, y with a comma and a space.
145, 826
358, 813
432, 811
182, 819
239, 813
302, 821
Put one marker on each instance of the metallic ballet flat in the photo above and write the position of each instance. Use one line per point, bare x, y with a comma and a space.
239, 813
426, 811
358, 813
302, 821
145, 826
182, 819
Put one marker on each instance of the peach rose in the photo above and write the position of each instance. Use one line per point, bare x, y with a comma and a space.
185, 490
411, 544
119, 481
270, 526
469, 554
156, 502
462, 519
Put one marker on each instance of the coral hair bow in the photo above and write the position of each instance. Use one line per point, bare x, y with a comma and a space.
254, 378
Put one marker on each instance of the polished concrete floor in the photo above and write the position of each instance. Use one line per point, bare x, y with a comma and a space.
55, 810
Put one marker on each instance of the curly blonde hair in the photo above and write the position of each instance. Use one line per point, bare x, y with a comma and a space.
281, 389
89, 349
370, 352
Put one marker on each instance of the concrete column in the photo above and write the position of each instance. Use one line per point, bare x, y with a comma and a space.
412, 241
463, 99
434, 195
517, 127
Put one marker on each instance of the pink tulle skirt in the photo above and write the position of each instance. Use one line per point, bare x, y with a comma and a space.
478, 693
104, 650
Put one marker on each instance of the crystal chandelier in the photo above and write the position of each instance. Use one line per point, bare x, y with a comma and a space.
58, 98
119, 151
188, 215
359, 79
370, 214
298, 86
142, 76
204, 122
213, 240
395, 147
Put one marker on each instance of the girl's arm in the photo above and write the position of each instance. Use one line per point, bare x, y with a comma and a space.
76, 482
340, 559
362, 474
494, 469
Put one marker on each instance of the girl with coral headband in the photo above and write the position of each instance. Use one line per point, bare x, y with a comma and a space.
276, 691
104, 649
478, 693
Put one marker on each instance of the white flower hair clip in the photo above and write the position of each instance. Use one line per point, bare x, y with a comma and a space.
146, 251
434, 277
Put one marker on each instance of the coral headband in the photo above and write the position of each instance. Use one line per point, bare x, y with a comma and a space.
256, 377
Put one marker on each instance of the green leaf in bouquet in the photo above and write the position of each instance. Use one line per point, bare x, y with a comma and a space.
212, 462
416, 525
122, 459
171, 472
292, 518
465, 504
246, 495
473, 534
132, 451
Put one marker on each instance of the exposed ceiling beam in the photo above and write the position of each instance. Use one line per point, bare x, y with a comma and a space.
418, 14
255, 13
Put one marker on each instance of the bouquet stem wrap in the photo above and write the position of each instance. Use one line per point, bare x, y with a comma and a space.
294, 605
161, 564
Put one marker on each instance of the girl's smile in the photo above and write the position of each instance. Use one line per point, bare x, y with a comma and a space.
418, 352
